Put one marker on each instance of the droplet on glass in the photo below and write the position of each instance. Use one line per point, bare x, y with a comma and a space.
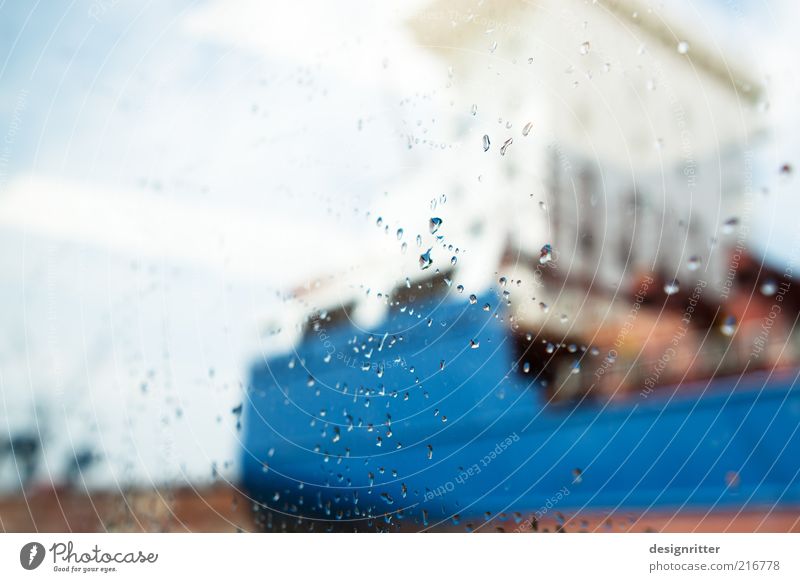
505, 145
694, 263
584, 49
732, 479
474, 344
730, 225
683, 47
527, 129
474, 109
728, 326
399, 233
486, 143
672, 287
434, 224
473, 299
769, 287
425, 260
545, 254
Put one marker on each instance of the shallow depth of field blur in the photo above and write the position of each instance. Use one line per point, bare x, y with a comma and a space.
452, 265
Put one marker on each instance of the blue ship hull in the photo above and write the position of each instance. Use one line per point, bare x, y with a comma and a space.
347, 430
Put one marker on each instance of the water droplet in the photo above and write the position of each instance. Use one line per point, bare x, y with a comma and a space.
474, 344
419, 240
672, 287
683, 47
530, 60
504, 147
399, 233
430, 452
728, 326
486, 143
694, 263
584, 49
502, 281
527, 129
526, 367
542, 205
545, 254
434, 224
487, 307
544, 307
474, 109
769, 287
379, 222
453, 260
460, 288
730, 225
550, 348
493, 46
577, 475
473, 299
425, 260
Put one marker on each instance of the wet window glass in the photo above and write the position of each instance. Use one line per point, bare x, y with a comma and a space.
431, 266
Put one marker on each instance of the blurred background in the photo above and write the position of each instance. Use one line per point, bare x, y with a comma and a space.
484, 265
